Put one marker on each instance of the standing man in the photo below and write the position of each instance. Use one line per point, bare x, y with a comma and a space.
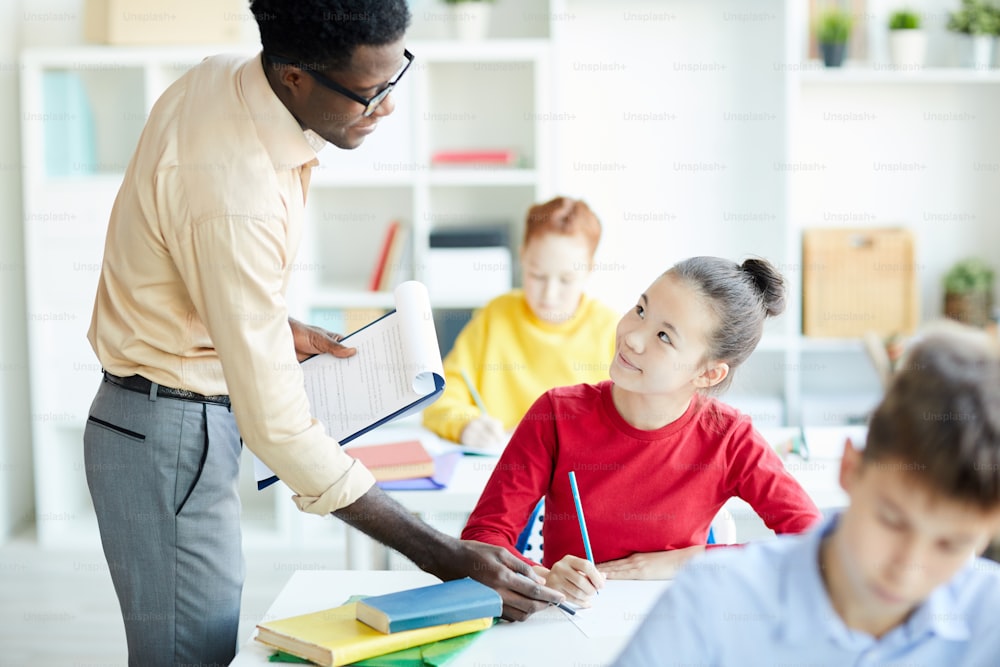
191, 326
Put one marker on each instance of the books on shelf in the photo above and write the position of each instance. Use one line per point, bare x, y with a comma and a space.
394, 264
475, 157
391, 231
390, 461
396, 371
335, 637
448, 602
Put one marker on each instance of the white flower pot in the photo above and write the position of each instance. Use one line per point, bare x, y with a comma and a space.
977, 51
907, 49
471, 20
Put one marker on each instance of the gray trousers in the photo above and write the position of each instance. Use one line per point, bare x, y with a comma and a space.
163, 474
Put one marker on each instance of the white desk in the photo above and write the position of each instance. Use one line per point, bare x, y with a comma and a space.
448, 508
594, 636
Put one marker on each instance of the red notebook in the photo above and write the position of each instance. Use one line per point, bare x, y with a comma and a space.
395, 460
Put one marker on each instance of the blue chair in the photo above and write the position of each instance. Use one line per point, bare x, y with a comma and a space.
529, 542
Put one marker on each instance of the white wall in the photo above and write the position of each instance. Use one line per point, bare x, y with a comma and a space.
670, 116
16, 488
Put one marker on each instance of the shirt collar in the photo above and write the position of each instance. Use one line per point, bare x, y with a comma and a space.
809, 613
286, 143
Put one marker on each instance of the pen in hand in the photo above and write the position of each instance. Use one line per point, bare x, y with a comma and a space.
562, 605
472, 390
579, 516
566, 608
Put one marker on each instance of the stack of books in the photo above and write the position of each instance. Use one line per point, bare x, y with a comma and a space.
385, 624
407, 465
407, 459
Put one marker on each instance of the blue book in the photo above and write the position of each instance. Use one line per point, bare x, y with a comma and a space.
449, 602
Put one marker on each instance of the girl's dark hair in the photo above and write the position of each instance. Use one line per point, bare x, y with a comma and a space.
741, 296
324, 33
940, 417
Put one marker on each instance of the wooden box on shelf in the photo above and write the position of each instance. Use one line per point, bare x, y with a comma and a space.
163, 21
857, 281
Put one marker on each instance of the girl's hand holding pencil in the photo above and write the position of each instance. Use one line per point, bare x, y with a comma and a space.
577, 578
484, 432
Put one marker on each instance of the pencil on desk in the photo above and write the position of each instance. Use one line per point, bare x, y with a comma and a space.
472, 390
579, 515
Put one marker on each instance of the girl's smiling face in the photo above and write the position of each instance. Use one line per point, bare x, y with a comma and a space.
662, 343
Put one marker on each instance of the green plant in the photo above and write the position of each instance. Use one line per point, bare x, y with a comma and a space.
967, 276
904, 19
834, 26
975, 17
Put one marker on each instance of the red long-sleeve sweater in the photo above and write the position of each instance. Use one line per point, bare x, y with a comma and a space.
641, 491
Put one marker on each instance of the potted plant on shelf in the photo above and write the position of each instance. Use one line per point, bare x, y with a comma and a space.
471, 18
968, 292
832, 30
907, 42
976, 22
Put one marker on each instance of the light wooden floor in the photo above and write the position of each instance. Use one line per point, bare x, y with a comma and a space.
58, 607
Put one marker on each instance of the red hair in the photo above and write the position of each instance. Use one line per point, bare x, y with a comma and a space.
565, 216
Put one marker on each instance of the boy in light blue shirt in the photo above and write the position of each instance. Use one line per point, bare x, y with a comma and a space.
895, 578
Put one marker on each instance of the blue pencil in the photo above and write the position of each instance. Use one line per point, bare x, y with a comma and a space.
472, 390
579, 515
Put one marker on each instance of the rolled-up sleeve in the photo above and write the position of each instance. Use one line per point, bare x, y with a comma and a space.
233, 267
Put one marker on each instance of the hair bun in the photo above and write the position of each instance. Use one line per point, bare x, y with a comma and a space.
769, 283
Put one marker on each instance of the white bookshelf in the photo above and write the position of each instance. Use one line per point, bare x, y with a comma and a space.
909, 148
353, 196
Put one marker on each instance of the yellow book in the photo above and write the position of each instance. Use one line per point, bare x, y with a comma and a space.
335, 637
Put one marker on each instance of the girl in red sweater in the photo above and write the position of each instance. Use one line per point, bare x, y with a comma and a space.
655, 455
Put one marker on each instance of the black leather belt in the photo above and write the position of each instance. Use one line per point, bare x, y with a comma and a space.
139, 384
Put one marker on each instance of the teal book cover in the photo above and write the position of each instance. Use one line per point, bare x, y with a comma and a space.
448, 602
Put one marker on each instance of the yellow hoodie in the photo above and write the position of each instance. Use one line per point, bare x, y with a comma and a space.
512, 358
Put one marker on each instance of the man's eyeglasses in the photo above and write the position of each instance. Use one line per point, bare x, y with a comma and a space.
370, 104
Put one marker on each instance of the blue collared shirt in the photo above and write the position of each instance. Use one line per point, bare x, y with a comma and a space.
766, 604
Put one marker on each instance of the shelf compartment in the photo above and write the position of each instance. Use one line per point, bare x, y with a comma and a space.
346, 228
462, 111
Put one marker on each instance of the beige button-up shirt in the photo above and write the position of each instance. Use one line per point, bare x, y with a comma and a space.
199, 251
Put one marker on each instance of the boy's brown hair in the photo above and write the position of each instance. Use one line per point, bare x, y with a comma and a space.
564, 216
940, 418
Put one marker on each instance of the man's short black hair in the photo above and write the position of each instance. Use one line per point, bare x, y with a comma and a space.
324, 33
